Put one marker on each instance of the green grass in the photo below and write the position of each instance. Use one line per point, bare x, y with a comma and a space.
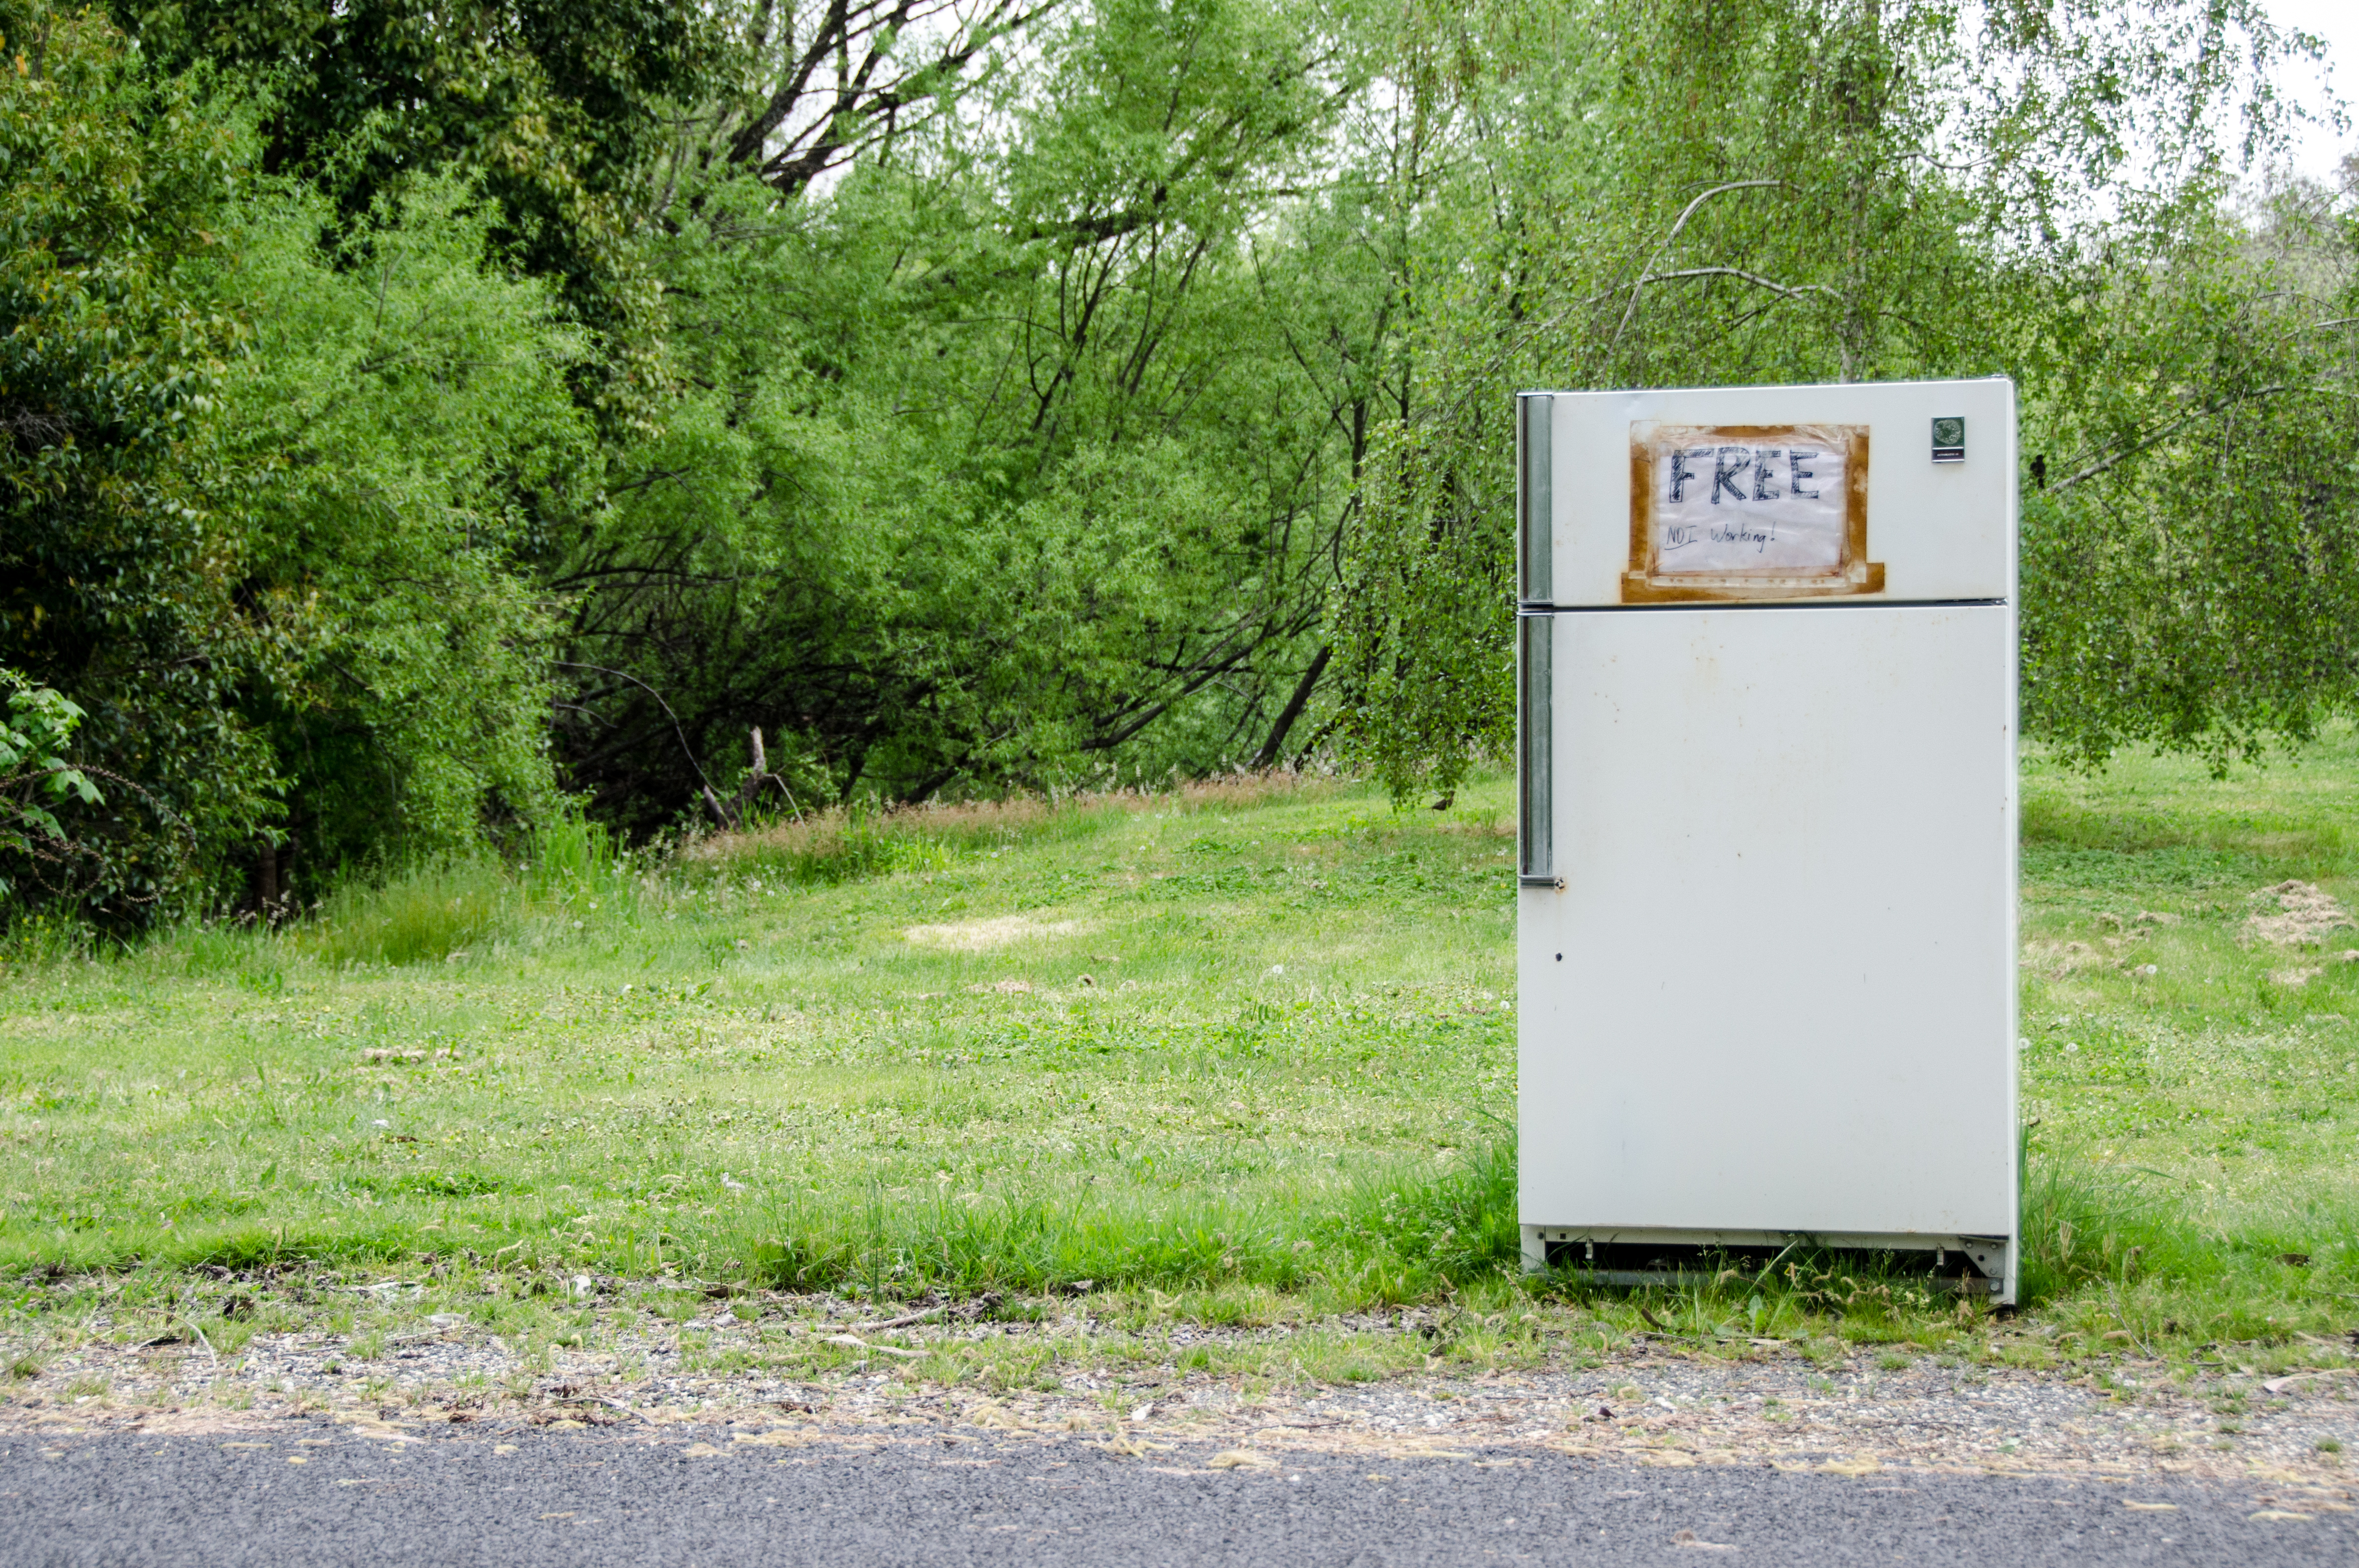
1241, 1035
1241, 1053
2205, 1114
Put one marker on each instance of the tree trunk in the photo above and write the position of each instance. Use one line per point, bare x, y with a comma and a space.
266, 880
1293, 709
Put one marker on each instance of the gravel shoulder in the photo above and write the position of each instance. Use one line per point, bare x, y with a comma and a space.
1657, 1402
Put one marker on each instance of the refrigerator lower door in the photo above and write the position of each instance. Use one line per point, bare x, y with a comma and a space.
1775, 992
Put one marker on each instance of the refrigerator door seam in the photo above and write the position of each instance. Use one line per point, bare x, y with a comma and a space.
1534, 607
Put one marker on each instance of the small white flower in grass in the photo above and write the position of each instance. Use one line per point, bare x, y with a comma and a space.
1277, 969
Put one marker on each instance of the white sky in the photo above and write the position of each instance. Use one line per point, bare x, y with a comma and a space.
2317, 148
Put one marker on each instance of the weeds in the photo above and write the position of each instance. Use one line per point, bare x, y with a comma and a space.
863, 840
453, 907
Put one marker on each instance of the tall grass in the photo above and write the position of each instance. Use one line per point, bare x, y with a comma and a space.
863, 839
425, 913
2111, 1235
2083, 1224
437, 909
1391, 1237
32, 940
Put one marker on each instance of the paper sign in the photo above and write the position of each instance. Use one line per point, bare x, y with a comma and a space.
1749, 511
1747, 506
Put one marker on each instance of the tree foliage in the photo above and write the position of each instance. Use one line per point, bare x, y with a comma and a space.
1877, 191
34, 772
2192, 520
999, 469
116, 583
269, 489
407, 445
554, 110
418, 422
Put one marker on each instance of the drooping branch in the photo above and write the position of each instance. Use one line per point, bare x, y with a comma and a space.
1647, 274
2124, 451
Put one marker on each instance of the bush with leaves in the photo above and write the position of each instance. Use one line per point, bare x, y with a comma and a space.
34, 771
273, 477
408, 446
117, 568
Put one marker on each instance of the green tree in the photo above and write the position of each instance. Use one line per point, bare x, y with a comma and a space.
1692, 192
273, 485
117, 584
2190, 516
1002, 466
408, 446
555, 111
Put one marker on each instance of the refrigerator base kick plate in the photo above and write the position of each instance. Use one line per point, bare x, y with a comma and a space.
1973, 1266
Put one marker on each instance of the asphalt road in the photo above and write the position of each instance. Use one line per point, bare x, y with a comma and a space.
591, 1498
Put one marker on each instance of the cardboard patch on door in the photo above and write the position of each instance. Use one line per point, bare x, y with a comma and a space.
1723, 512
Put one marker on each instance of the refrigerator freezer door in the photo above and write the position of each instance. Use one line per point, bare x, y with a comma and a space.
1776, 990
1936, 528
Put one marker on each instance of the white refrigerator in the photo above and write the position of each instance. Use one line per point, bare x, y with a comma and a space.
1767, 911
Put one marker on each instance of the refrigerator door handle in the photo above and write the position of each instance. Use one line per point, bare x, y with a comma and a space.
1534, 753
1535, 497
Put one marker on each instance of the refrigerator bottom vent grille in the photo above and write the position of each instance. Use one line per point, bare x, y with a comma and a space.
1940, 1265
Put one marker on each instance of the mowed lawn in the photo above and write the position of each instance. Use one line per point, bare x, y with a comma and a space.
2190, 986
1257, 1036
1170, 1037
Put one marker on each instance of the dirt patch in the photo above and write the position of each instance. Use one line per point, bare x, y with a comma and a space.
2055, 960
2303, 913
983, 936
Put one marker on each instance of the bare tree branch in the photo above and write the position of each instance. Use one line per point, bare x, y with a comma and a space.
1646, 275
